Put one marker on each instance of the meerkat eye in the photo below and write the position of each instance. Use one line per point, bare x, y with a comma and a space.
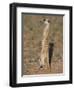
48, 21
44, 19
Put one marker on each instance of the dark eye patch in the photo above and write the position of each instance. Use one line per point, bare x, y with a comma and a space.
44, 19
48, 21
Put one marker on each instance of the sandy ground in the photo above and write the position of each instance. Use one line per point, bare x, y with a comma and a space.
33, 69
32, 37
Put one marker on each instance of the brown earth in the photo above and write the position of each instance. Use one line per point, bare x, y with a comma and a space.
32, 37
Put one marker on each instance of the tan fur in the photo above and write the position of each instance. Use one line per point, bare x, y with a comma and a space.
45, 45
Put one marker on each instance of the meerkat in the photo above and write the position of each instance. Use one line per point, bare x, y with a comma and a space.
44, 55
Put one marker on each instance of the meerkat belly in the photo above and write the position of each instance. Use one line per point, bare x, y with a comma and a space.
44, 51
45, 39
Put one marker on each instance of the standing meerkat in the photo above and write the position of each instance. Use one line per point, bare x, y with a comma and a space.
44, 55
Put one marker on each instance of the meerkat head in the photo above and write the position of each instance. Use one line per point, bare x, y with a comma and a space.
46, 21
